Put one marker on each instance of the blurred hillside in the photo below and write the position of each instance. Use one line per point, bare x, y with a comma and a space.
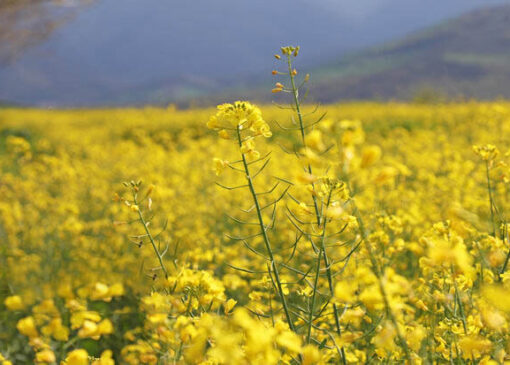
465, 57
159, 52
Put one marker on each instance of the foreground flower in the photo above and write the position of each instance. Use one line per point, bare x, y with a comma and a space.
77, 357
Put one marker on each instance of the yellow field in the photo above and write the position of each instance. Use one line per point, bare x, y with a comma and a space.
410, 252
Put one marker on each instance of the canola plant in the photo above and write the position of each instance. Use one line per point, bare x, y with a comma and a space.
349, 233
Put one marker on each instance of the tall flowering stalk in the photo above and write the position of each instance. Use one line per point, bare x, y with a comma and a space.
135, 205
244, 120
313, 146
311, 142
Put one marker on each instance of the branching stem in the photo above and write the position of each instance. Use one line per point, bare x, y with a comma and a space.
151, 238
318, 215
317, 274
264, 235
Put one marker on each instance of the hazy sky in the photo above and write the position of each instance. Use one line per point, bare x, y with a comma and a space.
363, 9
116, 46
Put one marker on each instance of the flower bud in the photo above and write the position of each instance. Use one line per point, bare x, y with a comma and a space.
224, 134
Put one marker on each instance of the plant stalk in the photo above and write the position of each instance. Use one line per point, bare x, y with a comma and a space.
151, 239
264, 235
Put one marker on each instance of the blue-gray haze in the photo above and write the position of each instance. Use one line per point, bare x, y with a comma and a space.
136, 51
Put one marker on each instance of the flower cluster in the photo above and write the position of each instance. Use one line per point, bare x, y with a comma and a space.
379, 235
242, 121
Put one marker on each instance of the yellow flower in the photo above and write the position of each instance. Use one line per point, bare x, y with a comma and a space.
306, 178
345, 291
229, 305
492, 318
488, 152
105, 359
26, 326
46, 356
116, 290
79, 317
371, 297
57, 330
451, 252
14, 303
386, 175
311, 355
498, 296
100, 291
414, 336
289, 341
105, 327
219, 165
224, 134
77, 357
88, 329
4, 361
17, 145
474, 346
240, 114
313, 140
370, 155
384, 340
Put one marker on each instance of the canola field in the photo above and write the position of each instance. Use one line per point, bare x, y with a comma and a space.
355, 233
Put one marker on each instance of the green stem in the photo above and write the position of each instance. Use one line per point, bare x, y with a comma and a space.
302, 129
179, 352
503, 269
296, 98
317, 273
151, 239
505, 239
316, 206
459, 302
264, 235
491, 200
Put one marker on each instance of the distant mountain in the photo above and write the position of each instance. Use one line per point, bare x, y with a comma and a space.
465, 57
153, 51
